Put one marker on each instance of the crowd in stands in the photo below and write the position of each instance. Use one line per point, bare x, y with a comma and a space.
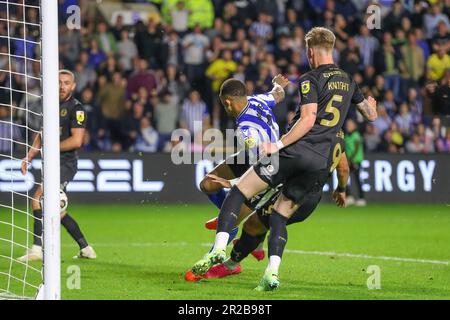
141, 81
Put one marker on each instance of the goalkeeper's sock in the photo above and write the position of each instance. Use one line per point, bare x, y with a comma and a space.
37, 229
74, 230
245, 245
217, 198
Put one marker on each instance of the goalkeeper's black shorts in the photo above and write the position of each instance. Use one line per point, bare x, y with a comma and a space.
67, 173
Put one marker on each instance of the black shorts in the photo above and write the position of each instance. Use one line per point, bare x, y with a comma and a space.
67, 173
302, 213
300, 175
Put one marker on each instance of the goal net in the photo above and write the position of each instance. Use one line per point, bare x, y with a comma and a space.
25, 72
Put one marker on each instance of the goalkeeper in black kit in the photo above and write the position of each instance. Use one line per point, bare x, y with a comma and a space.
72, 121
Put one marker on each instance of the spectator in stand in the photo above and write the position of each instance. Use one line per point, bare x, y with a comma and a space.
383, 121
261, 28
433, 18
354, 149
167, 115
387, 61
96, 55
141, 77
147, 139
172, 50
367, 44
443, 94
118, 28
371, 138
438, 63
443, 143
86, 76
442, 37
148, 42
389, 103
195, 45
426, 136
93, 113
111, 99
414, 145
350, 60
179, 17
404, 120
105, 39
127, 51
195, 114
412, 64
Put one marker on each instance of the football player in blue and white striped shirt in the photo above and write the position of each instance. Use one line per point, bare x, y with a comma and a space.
256, 123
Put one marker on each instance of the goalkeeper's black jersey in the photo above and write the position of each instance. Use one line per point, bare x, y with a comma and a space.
334, 91
71, 115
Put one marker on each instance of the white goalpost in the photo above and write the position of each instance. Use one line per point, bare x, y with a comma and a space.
29, 106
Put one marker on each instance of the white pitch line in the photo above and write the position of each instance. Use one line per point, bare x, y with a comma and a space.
317, 253
365, 256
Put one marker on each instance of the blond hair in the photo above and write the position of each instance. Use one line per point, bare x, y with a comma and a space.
67, 72
322, 38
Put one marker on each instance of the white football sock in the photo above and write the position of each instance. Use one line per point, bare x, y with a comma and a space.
221, 240
274, 264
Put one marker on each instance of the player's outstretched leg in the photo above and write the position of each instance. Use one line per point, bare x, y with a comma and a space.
72, 227
227, 221
243, 247
277, 242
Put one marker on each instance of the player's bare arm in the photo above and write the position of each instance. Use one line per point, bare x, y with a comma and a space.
279, 83
74, 142
298, 131
343, 173
34, 150
368, 108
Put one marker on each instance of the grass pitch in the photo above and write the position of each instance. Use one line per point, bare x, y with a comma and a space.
144, 250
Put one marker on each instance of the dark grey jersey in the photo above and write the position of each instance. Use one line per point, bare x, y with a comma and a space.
334, 91
71, 115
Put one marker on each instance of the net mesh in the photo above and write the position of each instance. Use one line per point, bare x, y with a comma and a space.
20, 123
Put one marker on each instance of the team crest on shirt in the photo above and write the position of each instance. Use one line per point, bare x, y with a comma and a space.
250, 142
305, 86
80, 117
63, 112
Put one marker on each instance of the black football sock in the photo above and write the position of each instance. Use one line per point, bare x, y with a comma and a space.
229, 212
37, 229
278, 234
74, 230
245, 245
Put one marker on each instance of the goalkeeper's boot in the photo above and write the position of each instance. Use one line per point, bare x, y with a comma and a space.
214, 257
220, 271
269, 282
86, 253
33, 254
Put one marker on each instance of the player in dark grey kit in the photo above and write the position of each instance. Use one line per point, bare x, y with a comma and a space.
72, 122
326, 93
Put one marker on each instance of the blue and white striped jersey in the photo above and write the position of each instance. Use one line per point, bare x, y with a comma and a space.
256, 123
